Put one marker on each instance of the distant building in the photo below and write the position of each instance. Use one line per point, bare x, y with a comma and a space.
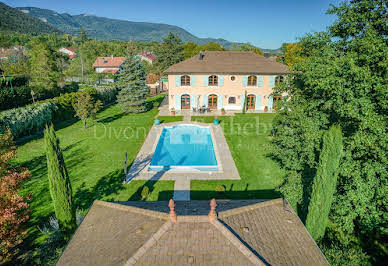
108, 64
70, 51
146, 56
13, 52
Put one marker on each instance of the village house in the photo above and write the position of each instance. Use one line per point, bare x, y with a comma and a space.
220, 79
146, 56
70, 51
108, 64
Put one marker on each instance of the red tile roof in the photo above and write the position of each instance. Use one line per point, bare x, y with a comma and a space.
109, 61
72, 49
148, 55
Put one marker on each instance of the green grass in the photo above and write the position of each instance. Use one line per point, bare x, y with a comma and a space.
169, 119
248, 137
94, 158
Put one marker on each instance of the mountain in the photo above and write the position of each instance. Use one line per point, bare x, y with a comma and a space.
13, 20
114, 29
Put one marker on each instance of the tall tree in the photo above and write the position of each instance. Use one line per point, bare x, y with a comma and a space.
59, 184
325, 181
170, 52
132, 85
43, 70
85, 106
246, 47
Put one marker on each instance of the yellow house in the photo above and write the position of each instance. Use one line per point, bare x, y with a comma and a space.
219, 79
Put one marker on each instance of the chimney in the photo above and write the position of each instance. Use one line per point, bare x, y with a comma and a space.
201, 55
266, 55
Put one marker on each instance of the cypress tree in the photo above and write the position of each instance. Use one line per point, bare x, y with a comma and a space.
59, 184
324, 183
132, 85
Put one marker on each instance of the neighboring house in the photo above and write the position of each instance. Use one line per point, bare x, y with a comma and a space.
70, 51
219, 79
108, 64
238, 232
13, 52
146, 56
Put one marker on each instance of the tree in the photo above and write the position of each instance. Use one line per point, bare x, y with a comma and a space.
341, 80
246, 47
293, 54
43, 71
59, 184
170, 52
192, 49
85, 106
14, 209
132, 86
324, 184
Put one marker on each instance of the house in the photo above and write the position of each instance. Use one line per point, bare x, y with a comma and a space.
219, 79
70, 51
108, 64
146, 56
13, 52
228, 232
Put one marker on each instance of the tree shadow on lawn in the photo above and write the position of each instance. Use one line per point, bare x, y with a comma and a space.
109, 119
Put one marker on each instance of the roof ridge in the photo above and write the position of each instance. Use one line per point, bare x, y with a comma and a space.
150, 242
227, 213
128, 208
237, 243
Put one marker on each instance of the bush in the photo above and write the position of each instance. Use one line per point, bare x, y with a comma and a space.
65, 109
144, 193
14, 97
105, 94
220, 189
26, 120
72, 87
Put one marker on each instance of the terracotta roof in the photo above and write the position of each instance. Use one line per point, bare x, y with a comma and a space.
109, 61
72, 49
231, 62
247, 232
148, 55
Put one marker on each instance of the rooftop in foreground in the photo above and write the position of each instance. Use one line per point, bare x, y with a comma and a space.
245, 232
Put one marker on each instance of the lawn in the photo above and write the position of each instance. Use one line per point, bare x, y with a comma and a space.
248, 137
95, 159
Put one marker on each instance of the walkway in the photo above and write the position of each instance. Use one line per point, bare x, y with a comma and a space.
182, 189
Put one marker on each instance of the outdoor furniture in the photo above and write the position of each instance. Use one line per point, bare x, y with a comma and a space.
194, 109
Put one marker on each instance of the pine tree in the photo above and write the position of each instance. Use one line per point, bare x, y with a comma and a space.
59, 184
325, 181
132, 86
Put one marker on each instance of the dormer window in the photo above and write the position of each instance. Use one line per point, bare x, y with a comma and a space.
213, 80
185, 80
105, 61
252, 81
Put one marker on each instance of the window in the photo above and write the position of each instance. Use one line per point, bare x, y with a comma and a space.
232, 78
279, 79
252, 81
232, 100
213, 80
185, 80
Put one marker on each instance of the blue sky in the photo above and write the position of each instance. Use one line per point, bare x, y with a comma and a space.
264, 23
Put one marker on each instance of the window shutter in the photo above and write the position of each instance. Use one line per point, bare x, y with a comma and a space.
242, 100
220, 101
177, 102
220, 81
272, 81
259, 81
204, 99
270, 102
205, 80
193, 81
178, 81
245, 81
258, 102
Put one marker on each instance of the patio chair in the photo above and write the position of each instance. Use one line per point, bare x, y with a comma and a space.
194, 110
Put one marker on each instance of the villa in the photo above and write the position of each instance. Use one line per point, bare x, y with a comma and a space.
220, 79
108, 64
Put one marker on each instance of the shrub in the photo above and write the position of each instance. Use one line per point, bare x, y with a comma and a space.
145, 192
14, 97
156, 104
65, 109
105, 94
152, 78
220, 189
26, 120
72, 87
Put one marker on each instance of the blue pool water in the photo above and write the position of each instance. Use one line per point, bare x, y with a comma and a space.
184, 147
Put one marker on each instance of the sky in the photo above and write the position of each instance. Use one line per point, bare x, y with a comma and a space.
263, 23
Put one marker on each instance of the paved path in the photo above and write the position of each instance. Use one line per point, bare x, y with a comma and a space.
182, 189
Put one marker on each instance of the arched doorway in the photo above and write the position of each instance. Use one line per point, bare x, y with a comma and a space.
251, 99
185, 101
212, 101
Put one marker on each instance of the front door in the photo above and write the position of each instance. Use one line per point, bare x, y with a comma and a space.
251, 99
185, 101
212, 101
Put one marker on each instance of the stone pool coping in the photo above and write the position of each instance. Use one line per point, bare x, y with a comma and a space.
227, 169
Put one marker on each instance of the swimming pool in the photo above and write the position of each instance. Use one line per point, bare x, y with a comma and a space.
184, 147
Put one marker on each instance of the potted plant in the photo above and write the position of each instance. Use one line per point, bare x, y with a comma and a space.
157, 121
216, 121
222, 111
172, 111
266, 109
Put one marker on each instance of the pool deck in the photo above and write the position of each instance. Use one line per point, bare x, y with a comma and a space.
227, 168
